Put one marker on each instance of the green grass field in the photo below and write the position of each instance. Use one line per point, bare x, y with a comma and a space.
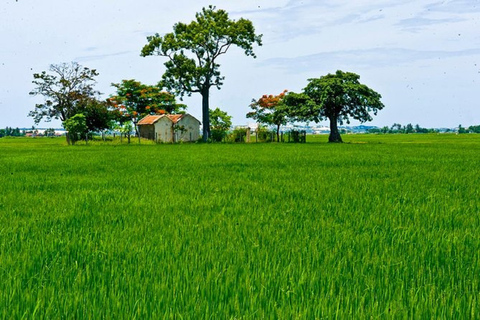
378, 227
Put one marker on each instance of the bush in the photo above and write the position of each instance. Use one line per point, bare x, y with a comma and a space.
217, 135
297, 136
265, 135
238, 135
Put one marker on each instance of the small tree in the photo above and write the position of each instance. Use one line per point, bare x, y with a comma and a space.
98, 115
193, 49
76, 127
271, 110
220, 123
50, 132
337, 97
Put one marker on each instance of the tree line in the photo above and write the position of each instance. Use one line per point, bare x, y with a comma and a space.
398, 128
11, 132
17, 132
192, 51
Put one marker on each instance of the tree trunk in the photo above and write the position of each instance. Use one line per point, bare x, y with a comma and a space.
205, 114
334, 134
278, 133
67, 136
137, 131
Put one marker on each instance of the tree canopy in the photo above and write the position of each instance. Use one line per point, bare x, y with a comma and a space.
270, 110
192, 51
98, 114
337, 97
134, 100
64, 88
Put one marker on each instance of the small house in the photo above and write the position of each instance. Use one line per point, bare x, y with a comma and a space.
170, 128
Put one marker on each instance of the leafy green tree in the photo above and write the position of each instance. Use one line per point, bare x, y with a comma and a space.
474, 129
50, 132
409, 128
271, 110
220, 123
419, 129
64, 89
98, 114
76, 127
134, 100
338, 98
193, 49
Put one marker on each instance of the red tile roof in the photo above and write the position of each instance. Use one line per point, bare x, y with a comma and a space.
149, 120
175, 117
154, 118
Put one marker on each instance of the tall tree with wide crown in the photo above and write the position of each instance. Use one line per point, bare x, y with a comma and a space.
335, 97
192, 51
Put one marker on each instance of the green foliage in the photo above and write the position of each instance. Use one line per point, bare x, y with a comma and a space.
296, 136
192, 51
383, 226
11, 132
271, 110
64, 89
76, 127
398, 128
49, 132
220, 123
239, 135
98, 114
134, 100
338, 98
474, 129
265, 135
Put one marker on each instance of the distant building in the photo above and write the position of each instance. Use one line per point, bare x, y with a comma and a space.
170, 128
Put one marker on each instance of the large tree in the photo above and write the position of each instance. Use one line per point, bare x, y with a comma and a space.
270, 110
192, 51
335, 97
64, 88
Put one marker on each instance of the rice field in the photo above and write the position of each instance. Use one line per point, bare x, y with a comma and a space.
378, 227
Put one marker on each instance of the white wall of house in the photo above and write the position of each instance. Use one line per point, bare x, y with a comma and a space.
164, 130
192, 129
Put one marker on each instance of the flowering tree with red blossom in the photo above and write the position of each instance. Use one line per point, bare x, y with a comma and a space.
135, 100
270, 110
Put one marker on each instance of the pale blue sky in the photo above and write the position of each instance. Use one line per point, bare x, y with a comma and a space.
422, 56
